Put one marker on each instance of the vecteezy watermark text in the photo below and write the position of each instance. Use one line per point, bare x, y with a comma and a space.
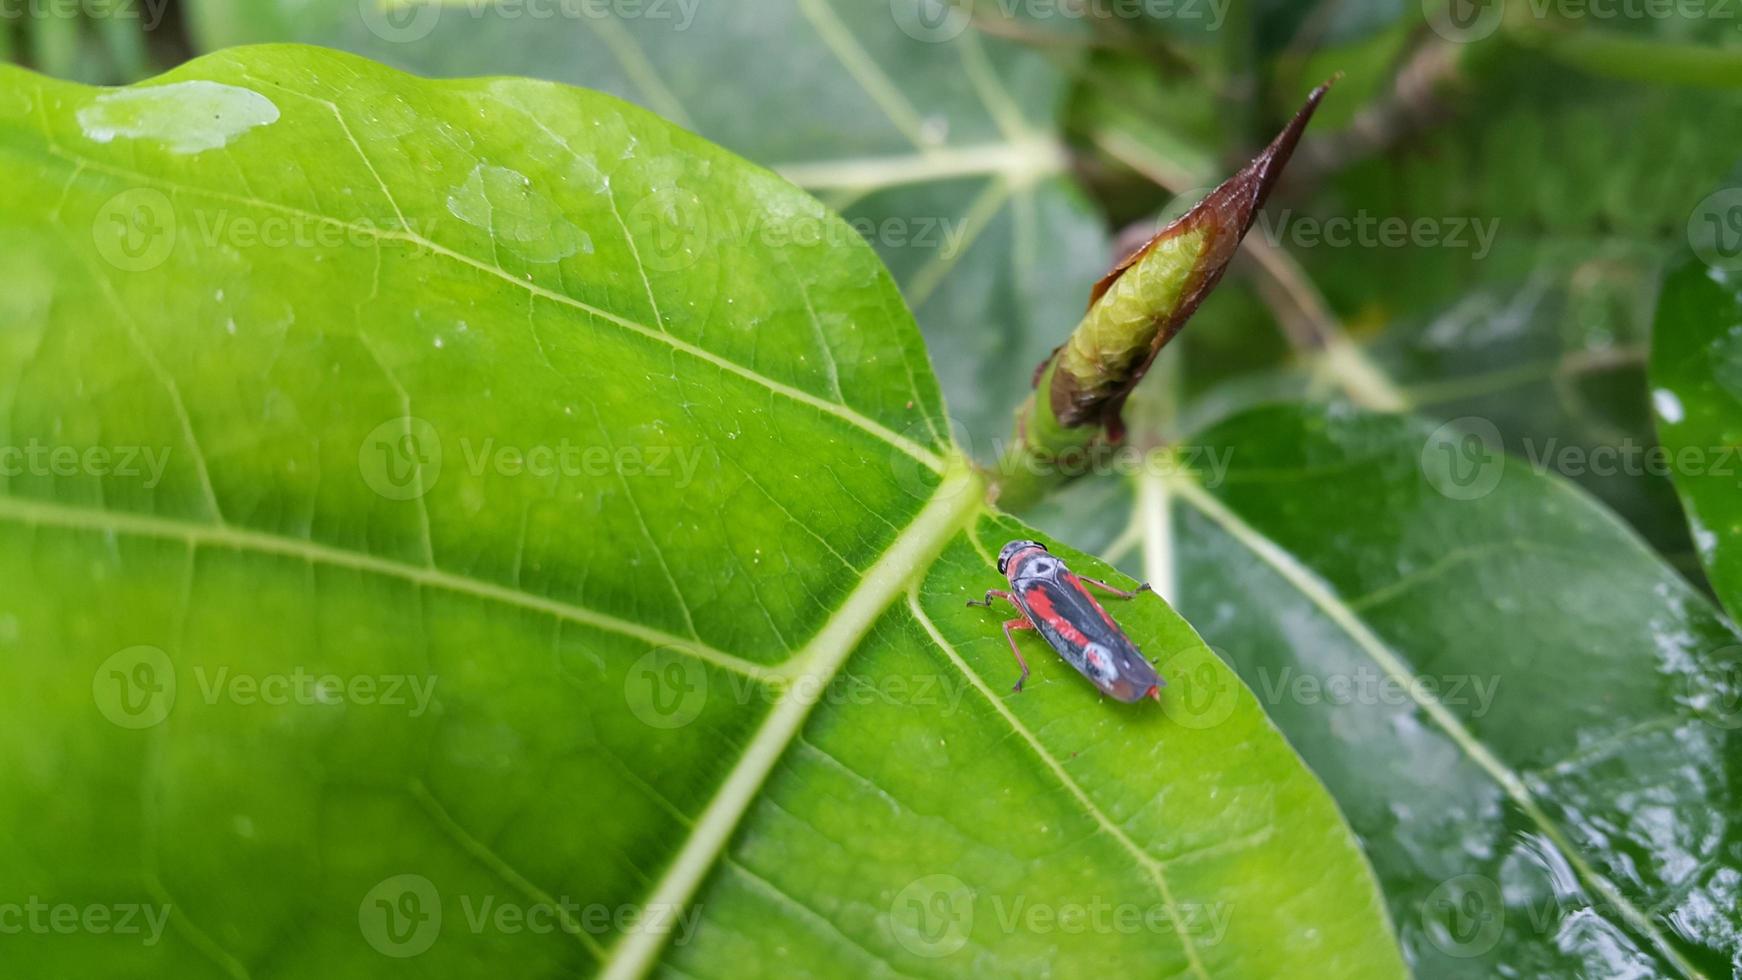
1465, 459
565, 458
302, 687
37, 458
1631, 457
405, 21
489, 914
36, 917
403, 458
137, 688
1207, 464
674, 228
1465, 21
149, 13
937, 21
1368, 686
1364, 229
934, 916
403, 916
668, 688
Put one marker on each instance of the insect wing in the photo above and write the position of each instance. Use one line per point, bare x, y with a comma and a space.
1076, 626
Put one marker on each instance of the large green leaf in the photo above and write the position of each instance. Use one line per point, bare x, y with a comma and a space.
1696, 374
487, 554
1528, 718
935, 142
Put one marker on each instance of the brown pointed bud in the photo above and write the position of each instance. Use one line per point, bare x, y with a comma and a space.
1144, 301
1133, 311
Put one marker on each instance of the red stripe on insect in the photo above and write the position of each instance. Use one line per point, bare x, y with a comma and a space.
1042, 606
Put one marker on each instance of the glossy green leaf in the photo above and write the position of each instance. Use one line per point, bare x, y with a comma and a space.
1531, 722
458, 575
936, 142
1696, 377
1526, 297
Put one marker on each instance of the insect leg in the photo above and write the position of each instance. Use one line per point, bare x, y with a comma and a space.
990, 593
1018, 624
1110, 590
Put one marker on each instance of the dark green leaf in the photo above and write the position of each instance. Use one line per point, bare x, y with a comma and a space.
1531, 722
1696, 374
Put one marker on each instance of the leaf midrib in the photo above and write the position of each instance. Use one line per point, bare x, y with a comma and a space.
956, 502
1144, 859
1314, 590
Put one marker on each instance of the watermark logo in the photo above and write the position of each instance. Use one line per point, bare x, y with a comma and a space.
1463, 21
402, 916
669, 227
135, 687
401, 458
666, 688
1464, 916
933, 916
134, 231
1201, 691
399, 23
1464, 458
1715, 229
932, 21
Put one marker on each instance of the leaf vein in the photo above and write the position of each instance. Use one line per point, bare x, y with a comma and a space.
841, 412
1149, 863
1319, 593
955, 502
36, 513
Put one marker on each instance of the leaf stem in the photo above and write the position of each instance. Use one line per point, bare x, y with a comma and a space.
1155, 504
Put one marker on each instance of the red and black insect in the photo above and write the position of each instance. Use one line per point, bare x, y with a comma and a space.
1051, 598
